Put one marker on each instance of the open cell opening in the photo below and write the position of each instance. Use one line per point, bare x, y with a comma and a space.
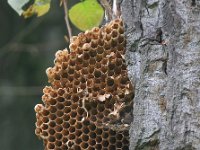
93, 118
52, 102
120, 39
85, 137
44, 127
105, 135
71, 136
52, 109
86, 122
115, 26
92, 127
97, 73
112, 140
112, 147
60, 106
45, 112
51, 139
92, 142
58, 136
67, 103
53, 94
98, 131
125, 141
51, 146
78, 133
85, 130
44, 133
58, 143
66, 125
60, 92
78, 140
78, 125
65, 133
67, 110
59, 113
105, 143
58, 128
98, 146
45, 120
66, 117
92, 135
73, 114
72, 121
51, 131
59, 121
125, 147
76, 147
119, 137
74, 106
84, 145
52, 124
119, 144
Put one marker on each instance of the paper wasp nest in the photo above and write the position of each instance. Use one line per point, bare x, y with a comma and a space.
89, 103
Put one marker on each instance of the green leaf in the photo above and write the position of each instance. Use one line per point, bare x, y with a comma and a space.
86, 14
17, 5
40, 7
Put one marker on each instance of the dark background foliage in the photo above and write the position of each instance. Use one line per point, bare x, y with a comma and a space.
27, 48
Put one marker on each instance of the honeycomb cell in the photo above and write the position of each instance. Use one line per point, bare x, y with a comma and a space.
58, 128
78, 141
112, 147
59, 121
44, 127
59, 113
76, 147
119, 137
65, 133
58, 143
52, 124
72, 129
51, 139
112, 140
78, 133
51, 145
66, 125
85, 130
84, 145
89, 94
71, 136
98, 146
51, 131
105, 143
119, 144
58, 136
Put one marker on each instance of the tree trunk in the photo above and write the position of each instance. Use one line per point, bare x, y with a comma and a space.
163, 57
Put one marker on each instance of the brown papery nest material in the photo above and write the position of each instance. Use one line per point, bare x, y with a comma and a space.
88, 104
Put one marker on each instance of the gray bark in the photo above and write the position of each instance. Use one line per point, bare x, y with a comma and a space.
163, 57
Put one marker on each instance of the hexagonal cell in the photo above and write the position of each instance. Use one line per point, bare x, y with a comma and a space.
98, 146
84, 145
51, 146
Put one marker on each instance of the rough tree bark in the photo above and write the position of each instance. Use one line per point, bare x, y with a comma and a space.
163, 57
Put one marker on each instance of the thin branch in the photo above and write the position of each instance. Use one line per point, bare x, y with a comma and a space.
66, 18
116, 9
107, 8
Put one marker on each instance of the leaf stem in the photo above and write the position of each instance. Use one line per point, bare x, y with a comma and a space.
66, 19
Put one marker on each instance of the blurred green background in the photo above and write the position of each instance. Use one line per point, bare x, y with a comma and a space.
27, 48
